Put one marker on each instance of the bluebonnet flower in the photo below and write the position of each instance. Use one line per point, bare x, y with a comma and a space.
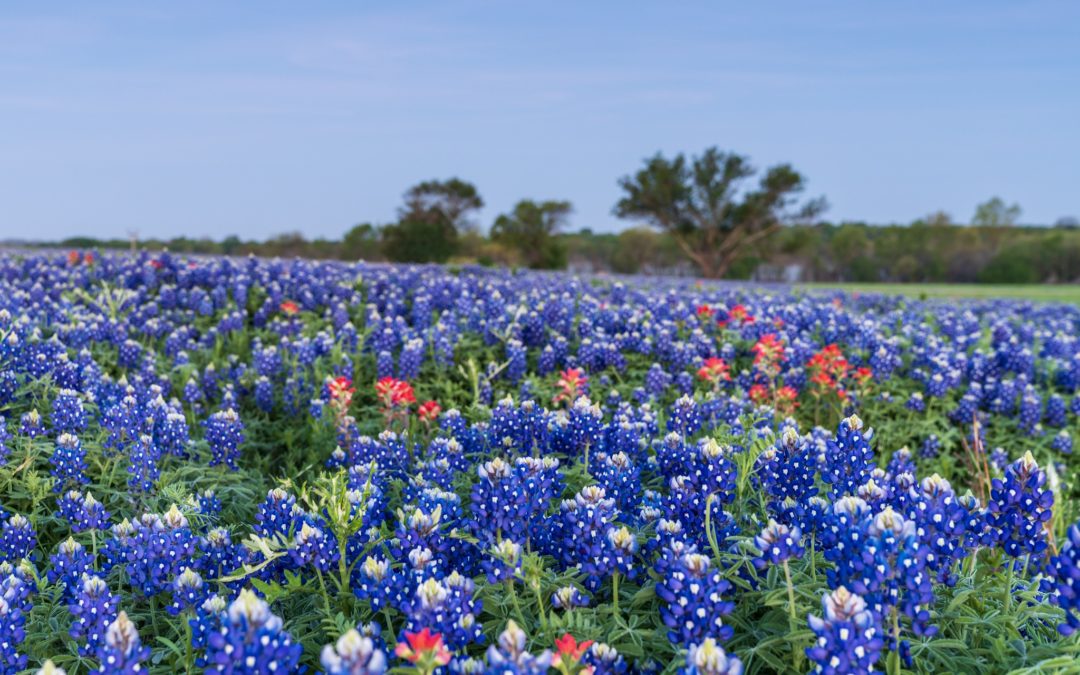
83, 512
915, 402
17, 539
787, 470
849, 459
277, 515
314, 546
930, 447
585, 522
206, 620
692, 593
1062, 442
848, 635
123, 652
93, 608
353, 654
941, 522
709, 658
264, 394
5, 436
568, 597
143, 464
224, 433
220, 556
12, 632
509, 654
68, 415
1018, 507
778, 543
68, 565
685, 416
189, 591
500, 503
377, 582
1063, 583
620, 478
503, 562
447, 607
172, 435
31, 425
250, 639
68, 462
605, 660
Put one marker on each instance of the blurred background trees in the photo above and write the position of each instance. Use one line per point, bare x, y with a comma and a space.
705, 215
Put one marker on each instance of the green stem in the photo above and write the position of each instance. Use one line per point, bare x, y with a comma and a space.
514, 600
325, 595
793, 617
615, 593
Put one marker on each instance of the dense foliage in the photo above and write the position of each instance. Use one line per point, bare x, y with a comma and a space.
253, 466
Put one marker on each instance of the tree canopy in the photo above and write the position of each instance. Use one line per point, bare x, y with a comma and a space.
530, 229
702, 202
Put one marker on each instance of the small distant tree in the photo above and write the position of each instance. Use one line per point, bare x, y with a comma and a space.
701, 203
994, 213
361, 243
429, 222
530, 230
1067, 222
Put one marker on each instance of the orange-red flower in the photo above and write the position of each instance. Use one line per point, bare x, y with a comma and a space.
423, 645
714, 370
759, 393
705, 311
429, 411
572, 384
73, 258
569, 649
341, 388
289, 307
785, 401
394, 392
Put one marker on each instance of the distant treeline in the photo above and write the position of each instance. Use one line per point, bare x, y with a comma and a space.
713, 215
820, 252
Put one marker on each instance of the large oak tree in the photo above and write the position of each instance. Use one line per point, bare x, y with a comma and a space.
703, 202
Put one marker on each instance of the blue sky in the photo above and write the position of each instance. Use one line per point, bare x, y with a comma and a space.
260, 118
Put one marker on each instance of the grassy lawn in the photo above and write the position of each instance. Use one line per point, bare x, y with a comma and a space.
1035, 292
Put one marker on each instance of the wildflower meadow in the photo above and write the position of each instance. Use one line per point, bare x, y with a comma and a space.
246, 465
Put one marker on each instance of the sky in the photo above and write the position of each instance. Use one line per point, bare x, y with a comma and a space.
255, 119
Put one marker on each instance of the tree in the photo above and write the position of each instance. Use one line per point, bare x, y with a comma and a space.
700, 204
429, 222
361, 243
530, 229
994, 213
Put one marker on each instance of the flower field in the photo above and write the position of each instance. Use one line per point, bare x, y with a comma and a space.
264, 466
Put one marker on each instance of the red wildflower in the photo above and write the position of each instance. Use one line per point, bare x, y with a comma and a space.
394, 393
863, 374
423, 646
705, 311
569, 650
714, 370
341, 388
741, 314
73, 258
88, 258
572, 383
156, 264
786, 400
759, 393
429, 411
289, 307
768, 354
